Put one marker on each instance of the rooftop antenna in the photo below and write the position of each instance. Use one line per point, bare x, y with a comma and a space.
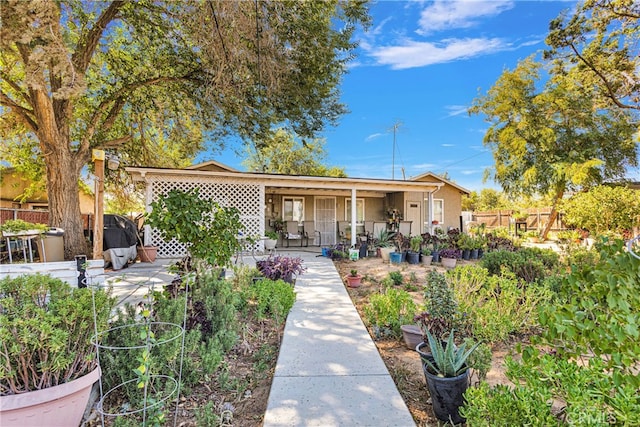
395, 128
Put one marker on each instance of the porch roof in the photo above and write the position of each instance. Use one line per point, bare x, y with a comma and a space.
276, 183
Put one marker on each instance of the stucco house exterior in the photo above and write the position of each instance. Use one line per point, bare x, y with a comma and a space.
326, 204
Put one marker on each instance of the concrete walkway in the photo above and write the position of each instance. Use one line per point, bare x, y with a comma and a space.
329, 372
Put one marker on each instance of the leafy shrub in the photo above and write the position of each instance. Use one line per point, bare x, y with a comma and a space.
273, 297
388, 311
396, 277
529, 264
495, 306
506, 406
280, 267
480, 359
45, 332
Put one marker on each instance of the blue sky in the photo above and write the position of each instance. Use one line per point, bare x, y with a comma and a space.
421, 65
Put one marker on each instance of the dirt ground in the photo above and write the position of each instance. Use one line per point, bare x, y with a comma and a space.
404, 363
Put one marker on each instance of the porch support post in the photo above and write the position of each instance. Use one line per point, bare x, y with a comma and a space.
430, 216
353, 217
147, 203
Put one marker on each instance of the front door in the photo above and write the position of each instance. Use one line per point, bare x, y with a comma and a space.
413, 213
325, 218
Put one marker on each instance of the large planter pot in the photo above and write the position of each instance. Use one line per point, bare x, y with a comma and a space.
449, 262
426, 259
395, 257
435, 256
474, 253
385, 253
413, 257
147, 253
447, 395
412, 335
270, 244
62, 405
466, 254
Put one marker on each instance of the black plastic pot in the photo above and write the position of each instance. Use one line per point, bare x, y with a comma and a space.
413, 257
447, 395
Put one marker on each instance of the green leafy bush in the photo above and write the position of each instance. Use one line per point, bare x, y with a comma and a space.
396, 277
273, 297
388, 311
529, 264
495, 306
45, 331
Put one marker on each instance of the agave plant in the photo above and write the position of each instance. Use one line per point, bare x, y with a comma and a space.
448, 361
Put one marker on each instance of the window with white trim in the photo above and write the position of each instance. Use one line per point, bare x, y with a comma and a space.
438, 212
359, 211
293, 209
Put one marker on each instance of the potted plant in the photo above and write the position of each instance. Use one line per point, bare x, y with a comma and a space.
465, 243
354, 280
533, 236
48, 364
281, 267
271, 240
415, 244
449, 257
383, 242
447, 376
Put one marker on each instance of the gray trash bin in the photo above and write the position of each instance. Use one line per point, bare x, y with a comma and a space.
53, 242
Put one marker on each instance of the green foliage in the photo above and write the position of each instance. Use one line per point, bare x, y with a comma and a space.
396, 278
599, 300
439, 299
18, 225
206, 415
387, 311
480, 359
281, 154
604, 209
208, 230
45, 331
529, 264
488, 199
448, 360
275, 297
503, 405
494, 307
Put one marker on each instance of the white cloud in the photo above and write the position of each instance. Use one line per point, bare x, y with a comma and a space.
456, 110
447, 145
373, 136
419, 54
447, 14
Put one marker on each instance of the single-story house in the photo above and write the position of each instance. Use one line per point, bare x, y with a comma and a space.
327, 207
13, 185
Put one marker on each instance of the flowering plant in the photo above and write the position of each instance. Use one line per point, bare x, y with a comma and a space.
280, 267
451, 253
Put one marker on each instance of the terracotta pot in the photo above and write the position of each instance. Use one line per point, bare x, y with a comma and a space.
354, 281
147, 253
63, 404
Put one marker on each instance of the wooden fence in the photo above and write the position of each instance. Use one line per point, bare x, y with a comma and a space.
536, 220
37, 216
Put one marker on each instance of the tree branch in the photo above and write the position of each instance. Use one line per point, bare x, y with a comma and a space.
15, 87
115, 143
23, 113
87, 44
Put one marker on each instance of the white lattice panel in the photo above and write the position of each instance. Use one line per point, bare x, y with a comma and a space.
245, 195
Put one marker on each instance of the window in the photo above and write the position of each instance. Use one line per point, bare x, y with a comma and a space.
293, 209
359, 211
438, 212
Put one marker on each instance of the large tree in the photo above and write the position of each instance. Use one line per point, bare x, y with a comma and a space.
150, 80
551, 139
602, 40
282, 154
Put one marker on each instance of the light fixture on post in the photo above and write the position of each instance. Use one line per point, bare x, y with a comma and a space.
113, 163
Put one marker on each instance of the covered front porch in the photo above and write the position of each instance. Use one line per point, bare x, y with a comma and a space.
324, 209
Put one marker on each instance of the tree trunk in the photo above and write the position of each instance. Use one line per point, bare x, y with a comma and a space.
553, 214
63, 173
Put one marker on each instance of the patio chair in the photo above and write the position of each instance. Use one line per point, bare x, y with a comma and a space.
404, 228
292, 232
309, 228
344, 231
378, 226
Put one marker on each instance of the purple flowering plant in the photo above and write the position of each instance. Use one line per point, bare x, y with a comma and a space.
279, 267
